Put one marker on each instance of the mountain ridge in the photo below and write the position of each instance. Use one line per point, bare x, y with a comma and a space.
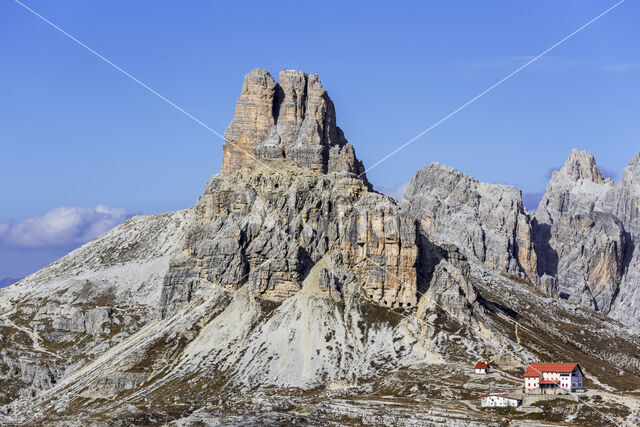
580, 207
293, 293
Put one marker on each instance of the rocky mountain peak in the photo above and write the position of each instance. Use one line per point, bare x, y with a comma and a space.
581, 165
293, 119
632, 172
486, 221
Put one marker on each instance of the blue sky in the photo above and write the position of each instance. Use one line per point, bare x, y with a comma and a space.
76, 134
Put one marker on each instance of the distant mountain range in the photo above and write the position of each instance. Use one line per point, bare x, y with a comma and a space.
8, 281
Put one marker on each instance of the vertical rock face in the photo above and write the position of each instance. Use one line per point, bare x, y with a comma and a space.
574, 189
586, 232
623, 199
487, 221
268, 230
581, 245
251, 122
581, 165
623, 202
293, 119
588, 251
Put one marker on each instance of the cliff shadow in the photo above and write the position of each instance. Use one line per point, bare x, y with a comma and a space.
429, 256
495, 308
629, 252
547, 256
278, 99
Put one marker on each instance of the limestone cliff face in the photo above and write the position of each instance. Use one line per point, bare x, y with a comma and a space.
580, 240
623, 199
293, 119
270, 229
251, 122
623, 202
587, 253
574, 189
581, 245
487, 221
588, 232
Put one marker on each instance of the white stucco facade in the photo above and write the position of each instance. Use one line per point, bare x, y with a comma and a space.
550, 378
499, 401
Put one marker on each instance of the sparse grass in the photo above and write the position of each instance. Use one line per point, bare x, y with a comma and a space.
267, 306
374, 314
503, 411
562, 335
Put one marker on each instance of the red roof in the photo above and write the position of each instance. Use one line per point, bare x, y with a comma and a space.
549, 381
482, 365
536, 369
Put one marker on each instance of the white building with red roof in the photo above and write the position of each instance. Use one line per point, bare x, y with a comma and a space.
482, 368
552, 378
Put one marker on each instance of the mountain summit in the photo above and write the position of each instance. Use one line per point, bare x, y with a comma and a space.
293, 119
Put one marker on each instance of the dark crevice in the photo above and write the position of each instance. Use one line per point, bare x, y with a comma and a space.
495, 308
429, 256
547, 256
278, 99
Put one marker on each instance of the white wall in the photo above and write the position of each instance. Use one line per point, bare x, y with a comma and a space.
498, 402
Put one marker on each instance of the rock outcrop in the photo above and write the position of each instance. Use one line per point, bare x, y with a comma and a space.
487, 221
64, 316
580, 245
582, 239
601, 265
574, 189
293, 119
623, 202
585, 255
291, 294
269, 229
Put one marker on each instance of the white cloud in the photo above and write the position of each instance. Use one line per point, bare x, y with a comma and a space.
396, 192
62, 227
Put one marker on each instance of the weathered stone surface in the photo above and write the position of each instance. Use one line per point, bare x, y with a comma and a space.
623, 199
450, 290
586, 230
623, 202
268, 230
251, 122
589, 251
64, 316
574, 189
581, 244
487, 221
293, 119
95, 321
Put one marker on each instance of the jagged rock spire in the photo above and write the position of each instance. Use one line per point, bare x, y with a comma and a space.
579, 169
581, 165
631, 173
293, 119
486, 221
